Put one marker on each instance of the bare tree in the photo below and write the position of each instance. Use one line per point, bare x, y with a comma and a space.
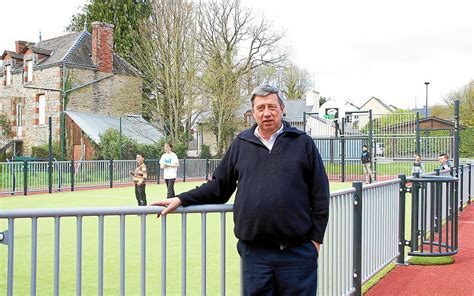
465, 95
233, 42
295, 82
165, 52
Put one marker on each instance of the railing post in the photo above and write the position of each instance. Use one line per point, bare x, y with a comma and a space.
25, 177
71, 168
357, 241
415, 191
418, 134
184, 169
401, 219
111, 173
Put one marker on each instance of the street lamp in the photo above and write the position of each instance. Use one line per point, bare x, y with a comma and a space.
426, 106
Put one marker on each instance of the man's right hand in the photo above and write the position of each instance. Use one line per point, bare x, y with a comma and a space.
171, 204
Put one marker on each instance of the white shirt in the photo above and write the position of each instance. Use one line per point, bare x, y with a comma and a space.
271, 141
169, 158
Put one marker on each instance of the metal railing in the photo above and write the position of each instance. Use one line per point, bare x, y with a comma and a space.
349, 255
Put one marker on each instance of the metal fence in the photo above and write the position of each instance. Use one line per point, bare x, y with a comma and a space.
34, 176
362, 237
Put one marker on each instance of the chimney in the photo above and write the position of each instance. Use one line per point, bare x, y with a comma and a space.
103, 46
19, 45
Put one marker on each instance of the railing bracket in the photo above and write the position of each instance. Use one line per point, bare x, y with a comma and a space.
4, 237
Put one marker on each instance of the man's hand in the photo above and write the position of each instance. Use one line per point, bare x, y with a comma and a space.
317, 245
170, 203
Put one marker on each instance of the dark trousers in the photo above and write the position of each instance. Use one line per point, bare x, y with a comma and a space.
274, 271
170, 186
140, 194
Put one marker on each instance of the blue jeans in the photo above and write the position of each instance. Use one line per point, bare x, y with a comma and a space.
270, 270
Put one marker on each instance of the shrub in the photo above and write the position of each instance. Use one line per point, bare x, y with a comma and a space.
205, 152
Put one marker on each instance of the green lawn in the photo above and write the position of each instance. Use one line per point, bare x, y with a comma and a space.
114, 198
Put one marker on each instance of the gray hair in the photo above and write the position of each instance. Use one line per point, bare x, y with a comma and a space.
264, 90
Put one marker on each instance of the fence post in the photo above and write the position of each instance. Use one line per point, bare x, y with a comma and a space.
469, 184
343, 152
461, 182
158, 173
50, 155
184, 169
25, 177
304, 122
357, 242
71, 168
207, 168
401, 219
111, 173
418, 134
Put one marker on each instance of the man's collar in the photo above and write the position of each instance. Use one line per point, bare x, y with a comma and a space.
259, 136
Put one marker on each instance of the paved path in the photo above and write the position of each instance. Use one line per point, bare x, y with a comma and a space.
454, 279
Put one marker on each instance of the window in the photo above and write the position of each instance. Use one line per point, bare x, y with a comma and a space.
30, 70
42, 109
9, 74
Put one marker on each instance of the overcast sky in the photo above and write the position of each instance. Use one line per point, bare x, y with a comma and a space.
354, 49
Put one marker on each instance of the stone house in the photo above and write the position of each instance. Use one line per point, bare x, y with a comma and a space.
76, 72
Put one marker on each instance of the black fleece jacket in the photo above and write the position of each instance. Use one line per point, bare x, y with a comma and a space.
282, 195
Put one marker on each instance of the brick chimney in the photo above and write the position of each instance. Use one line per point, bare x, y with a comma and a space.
103, 46
19, 45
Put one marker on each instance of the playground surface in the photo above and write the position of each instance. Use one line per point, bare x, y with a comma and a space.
453, 279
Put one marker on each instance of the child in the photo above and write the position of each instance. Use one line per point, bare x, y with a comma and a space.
169, 163
366, 160
417, 165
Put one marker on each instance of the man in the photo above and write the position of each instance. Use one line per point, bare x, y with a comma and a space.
282, 203
139, 178
444, 163
366, 160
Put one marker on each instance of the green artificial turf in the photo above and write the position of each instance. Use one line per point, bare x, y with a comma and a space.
444, 260
117, 197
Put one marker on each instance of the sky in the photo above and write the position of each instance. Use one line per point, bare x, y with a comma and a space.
354, 50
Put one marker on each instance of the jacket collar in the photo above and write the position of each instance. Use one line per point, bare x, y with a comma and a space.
249, 135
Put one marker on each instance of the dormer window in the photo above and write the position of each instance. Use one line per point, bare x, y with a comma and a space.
8, 70
29, 65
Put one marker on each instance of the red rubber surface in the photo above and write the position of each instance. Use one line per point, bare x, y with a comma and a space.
454, 279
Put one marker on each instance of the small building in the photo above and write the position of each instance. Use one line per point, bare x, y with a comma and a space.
85, 129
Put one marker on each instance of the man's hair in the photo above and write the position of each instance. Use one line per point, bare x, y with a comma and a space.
141, 154
365, 146
444, 155
169, 144
419, 155
264, 90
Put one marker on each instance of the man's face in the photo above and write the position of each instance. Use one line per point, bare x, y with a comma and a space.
268, 113
140, 159
364, 148
167, 148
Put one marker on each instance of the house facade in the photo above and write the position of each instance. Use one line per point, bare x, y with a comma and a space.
75, 72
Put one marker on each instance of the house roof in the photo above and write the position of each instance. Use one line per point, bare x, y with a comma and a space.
389, 108
427, 123
133, 126
75, 49
294, 108
12, 54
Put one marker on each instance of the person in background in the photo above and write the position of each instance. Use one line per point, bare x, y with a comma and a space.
169, 163
444, 163
417, 165
139, 178
281, 207
366, 160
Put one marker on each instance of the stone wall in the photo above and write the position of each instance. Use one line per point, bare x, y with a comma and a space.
114, 96
33, 133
